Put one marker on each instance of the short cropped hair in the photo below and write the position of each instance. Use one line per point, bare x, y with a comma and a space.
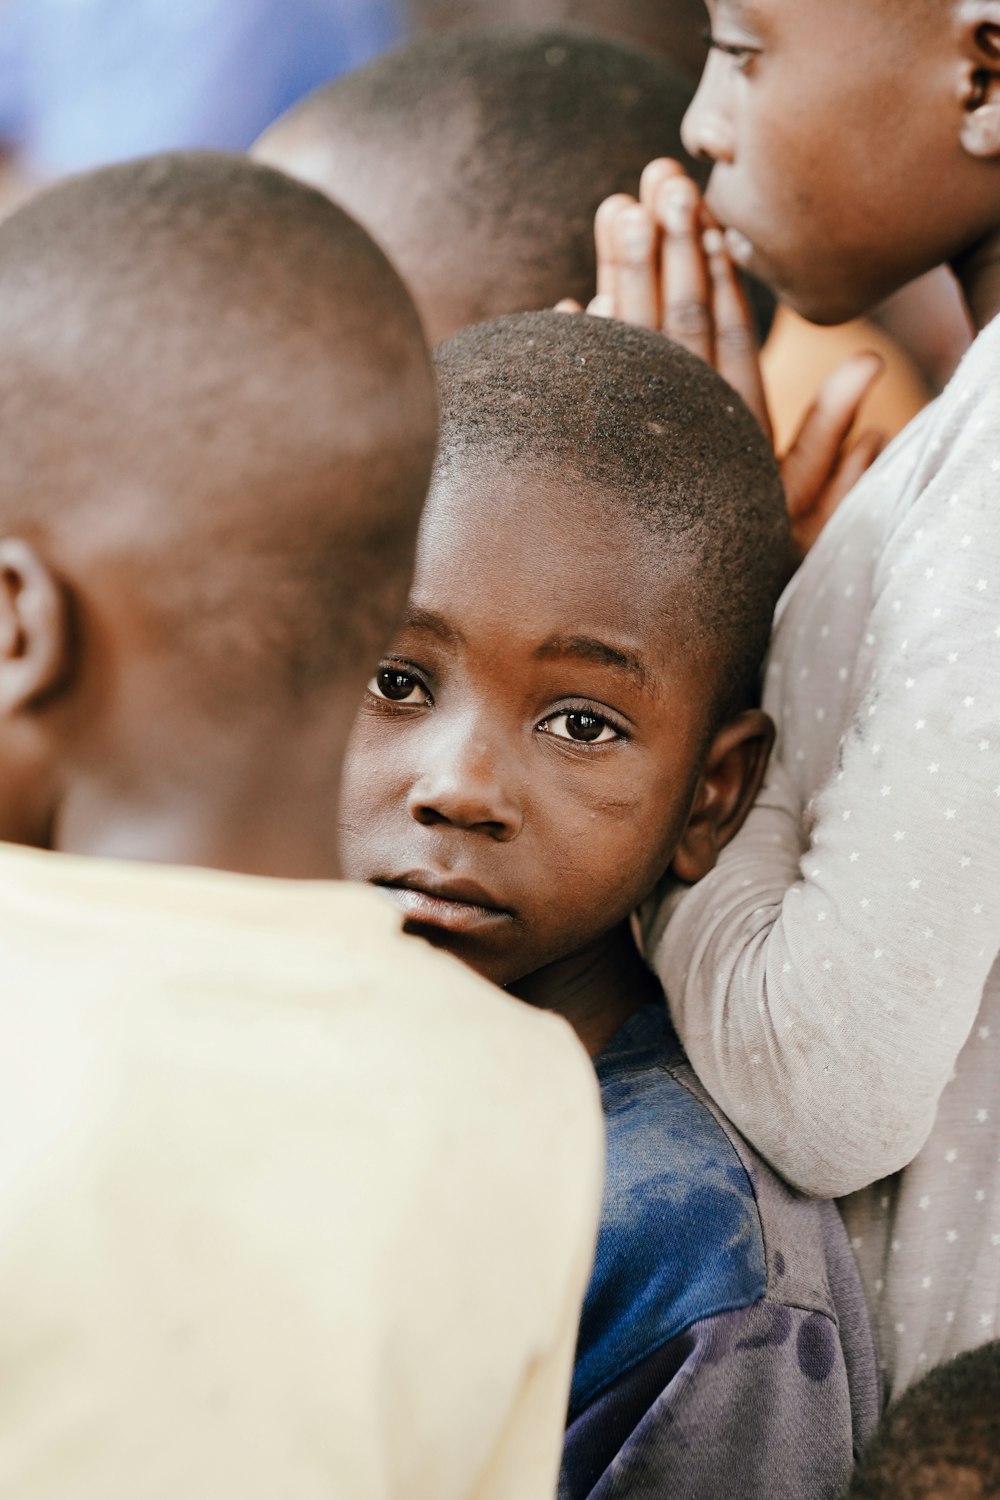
478, 158
213, 372
661, 440
941, 1438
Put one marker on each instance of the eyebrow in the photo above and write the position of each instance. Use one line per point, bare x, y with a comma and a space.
416, 618
587, 648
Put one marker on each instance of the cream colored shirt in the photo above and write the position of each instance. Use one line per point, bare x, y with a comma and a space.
291, 1206
835, 980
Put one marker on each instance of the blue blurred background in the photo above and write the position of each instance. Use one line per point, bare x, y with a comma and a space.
89, 81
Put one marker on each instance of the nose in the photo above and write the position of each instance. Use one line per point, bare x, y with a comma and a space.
706, 130
466, 785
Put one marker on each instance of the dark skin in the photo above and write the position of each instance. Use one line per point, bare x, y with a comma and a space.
831, 196
820, 188
201, 452
538, 748
105, 751
123, 734
383, 201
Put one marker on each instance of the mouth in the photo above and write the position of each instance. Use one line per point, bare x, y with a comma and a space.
439, 902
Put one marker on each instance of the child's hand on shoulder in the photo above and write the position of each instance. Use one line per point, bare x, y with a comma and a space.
662, 262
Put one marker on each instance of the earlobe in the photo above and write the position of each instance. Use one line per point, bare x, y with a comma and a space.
34, 629
980, 37
733, 771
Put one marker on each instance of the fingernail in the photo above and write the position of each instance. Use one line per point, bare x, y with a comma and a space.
679, 198
634, 234
860, 370
738, 246
849, 381
713, 242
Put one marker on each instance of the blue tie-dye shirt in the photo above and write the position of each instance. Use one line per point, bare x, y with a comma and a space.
724, 1346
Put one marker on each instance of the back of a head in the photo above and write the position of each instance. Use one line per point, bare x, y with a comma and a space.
659, 438
213, 363
218, 423
941, 1441
673, 27
478, 158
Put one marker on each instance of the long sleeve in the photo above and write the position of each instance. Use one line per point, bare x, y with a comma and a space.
826, 976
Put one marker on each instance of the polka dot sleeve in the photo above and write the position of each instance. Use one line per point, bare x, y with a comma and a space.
826, 976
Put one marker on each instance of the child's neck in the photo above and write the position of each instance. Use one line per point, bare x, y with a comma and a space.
979, 276
595, 989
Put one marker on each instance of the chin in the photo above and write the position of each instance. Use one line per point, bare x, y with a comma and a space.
826, 305
458, 946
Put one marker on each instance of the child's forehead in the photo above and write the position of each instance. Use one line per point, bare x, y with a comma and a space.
534, 551
564, 516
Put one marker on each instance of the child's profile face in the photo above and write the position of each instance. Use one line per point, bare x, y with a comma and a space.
833, 127
529, 751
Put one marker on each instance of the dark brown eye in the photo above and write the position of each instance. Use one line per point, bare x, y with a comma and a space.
397, 687
584, 728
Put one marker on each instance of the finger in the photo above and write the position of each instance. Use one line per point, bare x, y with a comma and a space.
809, 464
685, 286
568, 305
737, 354
654, 176
858, 459
634, 236
604, 221
601, 306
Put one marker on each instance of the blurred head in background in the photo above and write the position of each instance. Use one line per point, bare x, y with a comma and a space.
673, 27
477, 158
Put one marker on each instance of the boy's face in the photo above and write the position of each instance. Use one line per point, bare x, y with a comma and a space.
529, 752
834, 129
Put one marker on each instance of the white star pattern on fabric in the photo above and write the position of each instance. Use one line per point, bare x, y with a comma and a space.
891, 629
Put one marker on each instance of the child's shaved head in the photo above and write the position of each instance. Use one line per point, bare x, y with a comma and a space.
217, 411
478, 158
659, 437
674, 27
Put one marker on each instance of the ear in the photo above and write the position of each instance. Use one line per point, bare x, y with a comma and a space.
979, 39
34, 629
730, 779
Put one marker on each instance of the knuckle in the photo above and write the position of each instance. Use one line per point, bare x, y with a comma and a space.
688, 318
735, 339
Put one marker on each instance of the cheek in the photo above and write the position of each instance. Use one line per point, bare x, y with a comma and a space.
778, 165
616, 844
373, 787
